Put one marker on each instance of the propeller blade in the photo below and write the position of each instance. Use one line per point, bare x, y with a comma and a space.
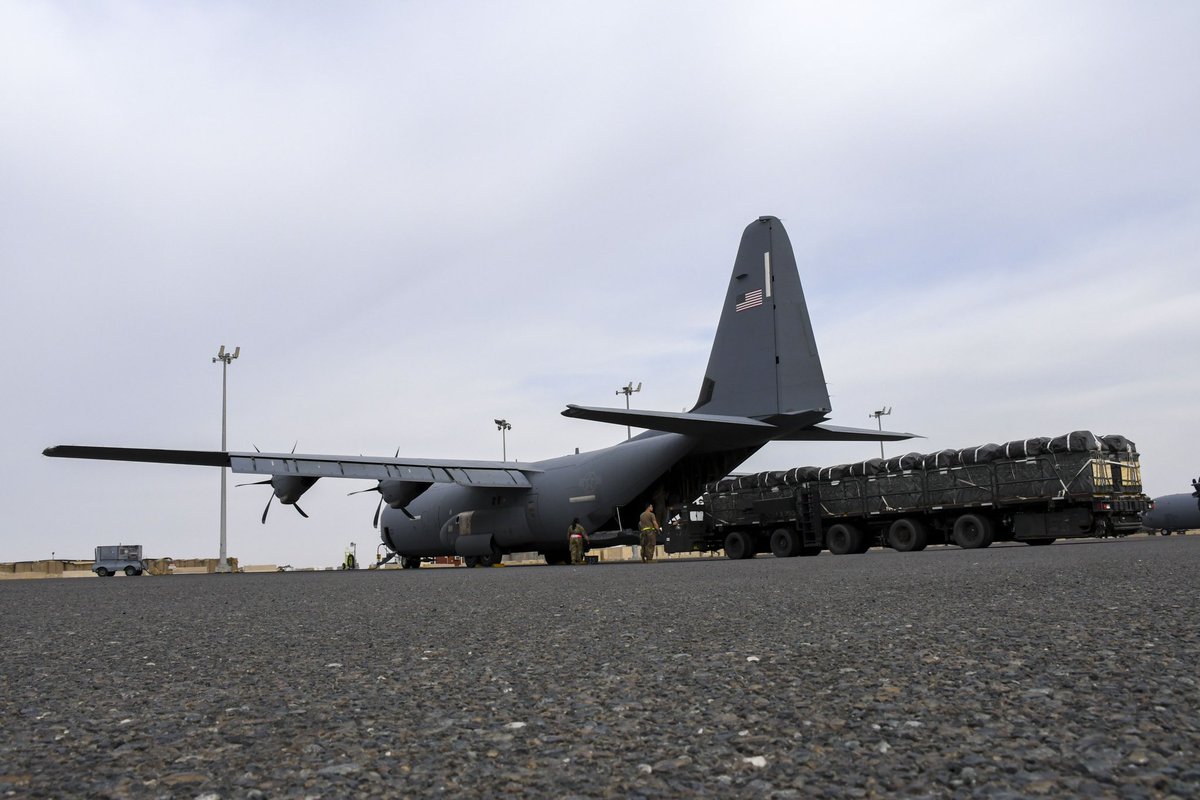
378, 508
256, 483
301, 510
268, 508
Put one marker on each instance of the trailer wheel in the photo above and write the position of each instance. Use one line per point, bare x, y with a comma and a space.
130, 571
843, 539
785, 543
908, 535
972, 531
738, 546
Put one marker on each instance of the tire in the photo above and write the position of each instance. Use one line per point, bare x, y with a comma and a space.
843, 539
131, 571
972, 532
738, 546
908, 535
557, 558
1039, 542
102, 572
410, 562
785, 543
490, 561
471, 562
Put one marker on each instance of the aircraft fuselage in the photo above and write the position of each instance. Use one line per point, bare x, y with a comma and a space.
592, 486
1173, 512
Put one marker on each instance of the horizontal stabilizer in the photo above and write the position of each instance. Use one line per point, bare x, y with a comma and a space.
835, 433
488, 474
673, 422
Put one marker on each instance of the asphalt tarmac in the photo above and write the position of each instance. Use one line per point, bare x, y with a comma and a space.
1068, 670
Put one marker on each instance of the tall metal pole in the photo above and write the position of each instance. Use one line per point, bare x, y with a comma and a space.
503, 426
879, 415
627, 391
225, 359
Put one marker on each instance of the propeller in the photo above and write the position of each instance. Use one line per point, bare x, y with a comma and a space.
396, 493
378, 487
288, 488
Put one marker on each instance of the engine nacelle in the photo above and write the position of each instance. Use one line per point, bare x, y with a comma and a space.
290, 488
398, 494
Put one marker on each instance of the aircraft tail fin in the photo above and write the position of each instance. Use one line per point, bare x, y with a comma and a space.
764, 359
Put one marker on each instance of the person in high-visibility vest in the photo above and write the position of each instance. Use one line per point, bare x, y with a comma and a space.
577, 540
648, 538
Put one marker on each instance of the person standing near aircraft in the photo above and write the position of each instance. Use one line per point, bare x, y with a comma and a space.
577, 540
649, 533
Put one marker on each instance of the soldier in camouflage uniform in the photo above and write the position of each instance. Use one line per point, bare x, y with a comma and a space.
648, 538
577, 540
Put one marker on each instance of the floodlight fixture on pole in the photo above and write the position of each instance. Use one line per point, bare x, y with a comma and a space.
878, 415
628, 390
503, 426
225, 359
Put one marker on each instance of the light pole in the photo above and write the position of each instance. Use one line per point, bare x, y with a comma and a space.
878, 415
628, 390
503, 426
225, 359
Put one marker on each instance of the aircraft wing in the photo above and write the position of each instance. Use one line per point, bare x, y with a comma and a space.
485, 474
836, 433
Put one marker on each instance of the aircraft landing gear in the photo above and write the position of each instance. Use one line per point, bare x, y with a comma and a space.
410, 562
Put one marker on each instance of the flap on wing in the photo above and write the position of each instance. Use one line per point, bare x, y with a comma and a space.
835, 433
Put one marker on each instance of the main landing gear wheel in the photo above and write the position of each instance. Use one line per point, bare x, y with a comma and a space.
1039, 542
972, 532
908, 535
843, 539
785, 543
557, 559
410, 562
739, 545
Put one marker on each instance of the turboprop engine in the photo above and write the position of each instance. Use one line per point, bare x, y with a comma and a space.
288, 488
397, 494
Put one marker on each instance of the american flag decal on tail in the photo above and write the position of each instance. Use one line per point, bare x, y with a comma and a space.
749, 300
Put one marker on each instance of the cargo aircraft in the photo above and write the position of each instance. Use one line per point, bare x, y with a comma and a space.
763, 383
1174, 512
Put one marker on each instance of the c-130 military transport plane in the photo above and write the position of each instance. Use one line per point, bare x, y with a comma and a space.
763, 383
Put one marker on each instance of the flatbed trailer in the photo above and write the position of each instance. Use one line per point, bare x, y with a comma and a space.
1032, 490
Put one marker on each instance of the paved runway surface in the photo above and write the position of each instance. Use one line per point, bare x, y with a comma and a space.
1068, 670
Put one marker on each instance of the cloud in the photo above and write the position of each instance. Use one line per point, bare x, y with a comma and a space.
416, 218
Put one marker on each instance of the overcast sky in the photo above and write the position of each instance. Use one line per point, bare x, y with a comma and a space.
416, 217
